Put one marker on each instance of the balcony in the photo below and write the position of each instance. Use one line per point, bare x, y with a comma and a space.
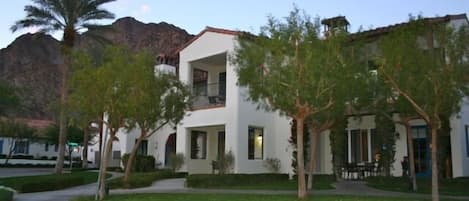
208, 95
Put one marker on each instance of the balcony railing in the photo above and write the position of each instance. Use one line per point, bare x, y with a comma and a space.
206, 95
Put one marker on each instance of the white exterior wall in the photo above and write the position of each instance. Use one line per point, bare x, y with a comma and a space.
36, 149
237, 115
459, 140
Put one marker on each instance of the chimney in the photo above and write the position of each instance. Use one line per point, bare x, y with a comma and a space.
331, 25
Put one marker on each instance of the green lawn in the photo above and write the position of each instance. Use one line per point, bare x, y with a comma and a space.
143, 179
456, 187
238, 197
50, 182
255, 181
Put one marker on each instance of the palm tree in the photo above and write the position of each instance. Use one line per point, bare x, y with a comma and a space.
71, 17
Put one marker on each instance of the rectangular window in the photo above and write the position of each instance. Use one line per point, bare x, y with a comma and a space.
46, 146
143, 148
198, 145
255, 143
359, 146
56, 147
1, 146
116, 155
21, 147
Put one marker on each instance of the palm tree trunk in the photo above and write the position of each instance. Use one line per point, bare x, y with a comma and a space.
102, 172
434, 157
300, 159
62, 119
312, 160
410, 147
128, 166
84, 161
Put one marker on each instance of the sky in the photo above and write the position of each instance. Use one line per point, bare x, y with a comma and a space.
250, 15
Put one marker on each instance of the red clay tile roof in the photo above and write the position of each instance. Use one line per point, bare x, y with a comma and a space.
208, 29
383, 30
36, 123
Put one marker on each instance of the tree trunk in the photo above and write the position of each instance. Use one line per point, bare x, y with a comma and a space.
312, 160
410, 147
128, 166
101, 126
434, 157
300, 159
84, 161
62, 120
10, 151
102, 171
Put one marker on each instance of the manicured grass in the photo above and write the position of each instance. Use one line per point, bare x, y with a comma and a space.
6, 195
143, 179
255, 181
50, 182
458, 186
238, 197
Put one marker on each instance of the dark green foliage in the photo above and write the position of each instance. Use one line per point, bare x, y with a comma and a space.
219, 181
385, 142
142, 163
338, 144
8, 99
41, 183
139, 180
254, 181
74, 134
6, 195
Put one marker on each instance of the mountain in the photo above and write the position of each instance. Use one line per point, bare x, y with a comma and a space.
32, 61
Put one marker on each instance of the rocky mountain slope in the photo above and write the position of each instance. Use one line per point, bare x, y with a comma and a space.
31, 62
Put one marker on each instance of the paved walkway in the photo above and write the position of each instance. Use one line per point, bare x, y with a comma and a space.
358, 188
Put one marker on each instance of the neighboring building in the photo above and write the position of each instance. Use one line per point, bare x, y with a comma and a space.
223, 120
36, 148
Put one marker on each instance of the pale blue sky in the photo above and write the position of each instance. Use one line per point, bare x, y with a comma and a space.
248, 15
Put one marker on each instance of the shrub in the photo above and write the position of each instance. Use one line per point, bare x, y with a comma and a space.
273, 165
226, 163
176, 161
210, 180
138, 180
142, 163
2, 156
6, 195
43, 158
22, 157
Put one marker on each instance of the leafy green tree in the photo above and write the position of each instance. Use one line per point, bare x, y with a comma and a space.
75, 135
68, 16
425, 63
106, 87
157, 101
291, 68
8, 99
15, 131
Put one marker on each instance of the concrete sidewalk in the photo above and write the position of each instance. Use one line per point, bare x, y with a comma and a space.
356, 188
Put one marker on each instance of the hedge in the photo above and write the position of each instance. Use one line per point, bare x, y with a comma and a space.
211, 180
6, 195
39, 183
138, 180
142, 163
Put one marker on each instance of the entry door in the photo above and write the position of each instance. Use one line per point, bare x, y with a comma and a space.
421, 150
221, 144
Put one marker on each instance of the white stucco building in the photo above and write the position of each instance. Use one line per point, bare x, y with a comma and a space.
223, 120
